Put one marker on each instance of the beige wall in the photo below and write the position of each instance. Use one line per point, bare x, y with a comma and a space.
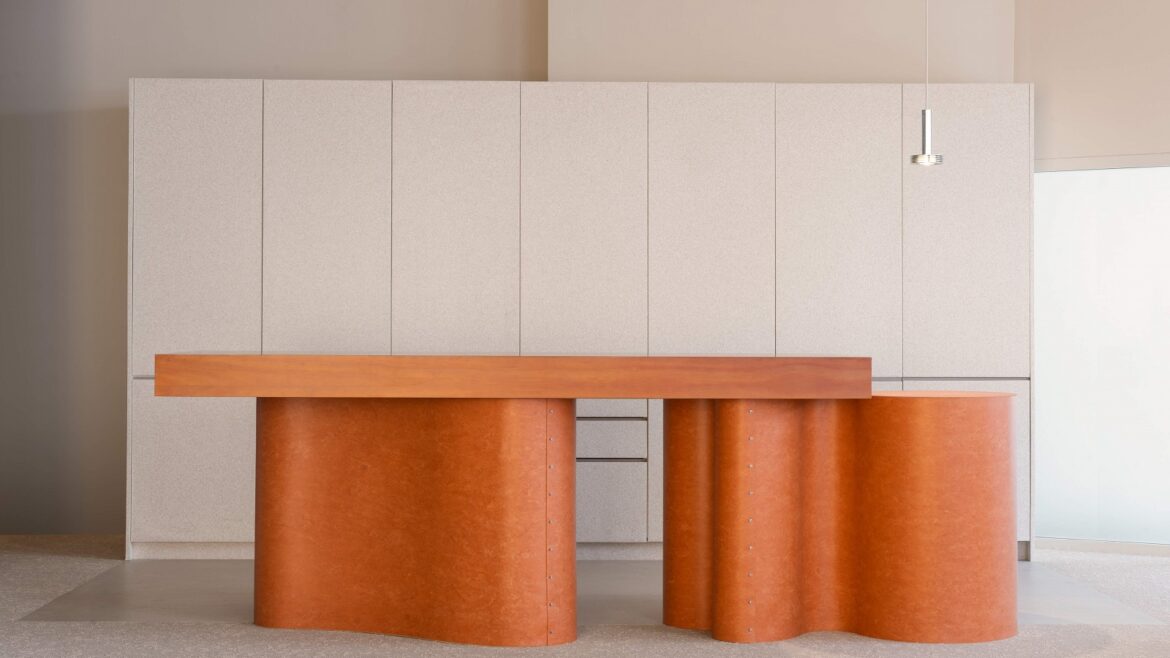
1102, 76
64, 67
790, 41
1102, 98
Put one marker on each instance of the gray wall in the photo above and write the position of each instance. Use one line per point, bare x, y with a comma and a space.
64, 71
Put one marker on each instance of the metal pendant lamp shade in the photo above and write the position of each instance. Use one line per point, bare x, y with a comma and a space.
926, 158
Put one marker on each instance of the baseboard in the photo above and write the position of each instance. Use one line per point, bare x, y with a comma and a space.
1103, 546
153, 550
149, 550
638, 551
585, 551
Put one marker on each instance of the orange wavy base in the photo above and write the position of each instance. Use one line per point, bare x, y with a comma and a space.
441, 519
892, 517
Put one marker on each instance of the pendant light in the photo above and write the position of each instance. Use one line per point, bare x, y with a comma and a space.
926, 158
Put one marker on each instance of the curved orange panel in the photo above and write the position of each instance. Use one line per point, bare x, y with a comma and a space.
939, 544
442, 519
687, 524
891, 517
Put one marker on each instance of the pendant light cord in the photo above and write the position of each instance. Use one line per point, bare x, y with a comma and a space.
926, 33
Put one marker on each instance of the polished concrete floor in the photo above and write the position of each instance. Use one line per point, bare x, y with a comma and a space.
71, 596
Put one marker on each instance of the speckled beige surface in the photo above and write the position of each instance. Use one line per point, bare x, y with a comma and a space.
839, 246
456, 198
194, 466
712, 218
327, 216
611, 501
37, 570
195, 196
583, 218
967, 233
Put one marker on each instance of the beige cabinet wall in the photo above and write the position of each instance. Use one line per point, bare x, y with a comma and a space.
967, 225
550, 218
712, 176
583, 218
192, 469
327, 216
583, 272
839, 222
195, 202
456, 219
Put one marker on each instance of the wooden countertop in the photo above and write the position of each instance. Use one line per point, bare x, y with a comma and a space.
355, 376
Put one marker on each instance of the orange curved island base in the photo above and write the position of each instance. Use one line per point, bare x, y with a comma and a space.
442, 519
433, 496
891, 517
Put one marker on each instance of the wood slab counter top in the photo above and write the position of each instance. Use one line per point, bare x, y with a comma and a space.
564, 377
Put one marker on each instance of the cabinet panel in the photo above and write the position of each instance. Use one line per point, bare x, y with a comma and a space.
610, 439
610, 408
839, 222
968, 234
327, 216
654, 468
1021, 433
195, 206
583, 218
456, 219
611, 501
712, 218
192, 468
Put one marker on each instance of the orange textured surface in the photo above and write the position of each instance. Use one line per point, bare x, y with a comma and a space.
442, 519
562, 377
892, 517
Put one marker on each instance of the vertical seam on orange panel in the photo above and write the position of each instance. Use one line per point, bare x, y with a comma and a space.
547, 546
749, 532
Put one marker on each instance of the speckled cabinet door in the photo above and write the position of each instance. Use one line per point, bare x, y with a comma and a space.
327, 216
194, 218
456, 227
192, 468
583, 268
712, 219
968, 233
839, 222
583, 218
611, 502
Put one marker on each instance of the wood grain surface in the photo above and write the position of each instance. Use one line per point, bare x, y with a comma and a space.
566, 377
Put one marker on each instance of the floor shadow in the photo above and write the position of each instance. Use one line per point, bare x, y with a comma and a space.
108, 547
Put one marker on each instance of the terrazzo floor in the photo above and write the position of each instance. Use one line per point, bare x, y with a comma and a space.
73, 596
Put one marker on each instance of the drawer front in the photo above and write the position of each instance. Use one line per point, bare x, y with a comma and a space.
611, 501
611, 439
610, 408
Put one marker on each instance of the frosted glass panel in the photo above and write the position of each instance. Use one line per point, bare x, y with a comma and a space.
1102, 355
